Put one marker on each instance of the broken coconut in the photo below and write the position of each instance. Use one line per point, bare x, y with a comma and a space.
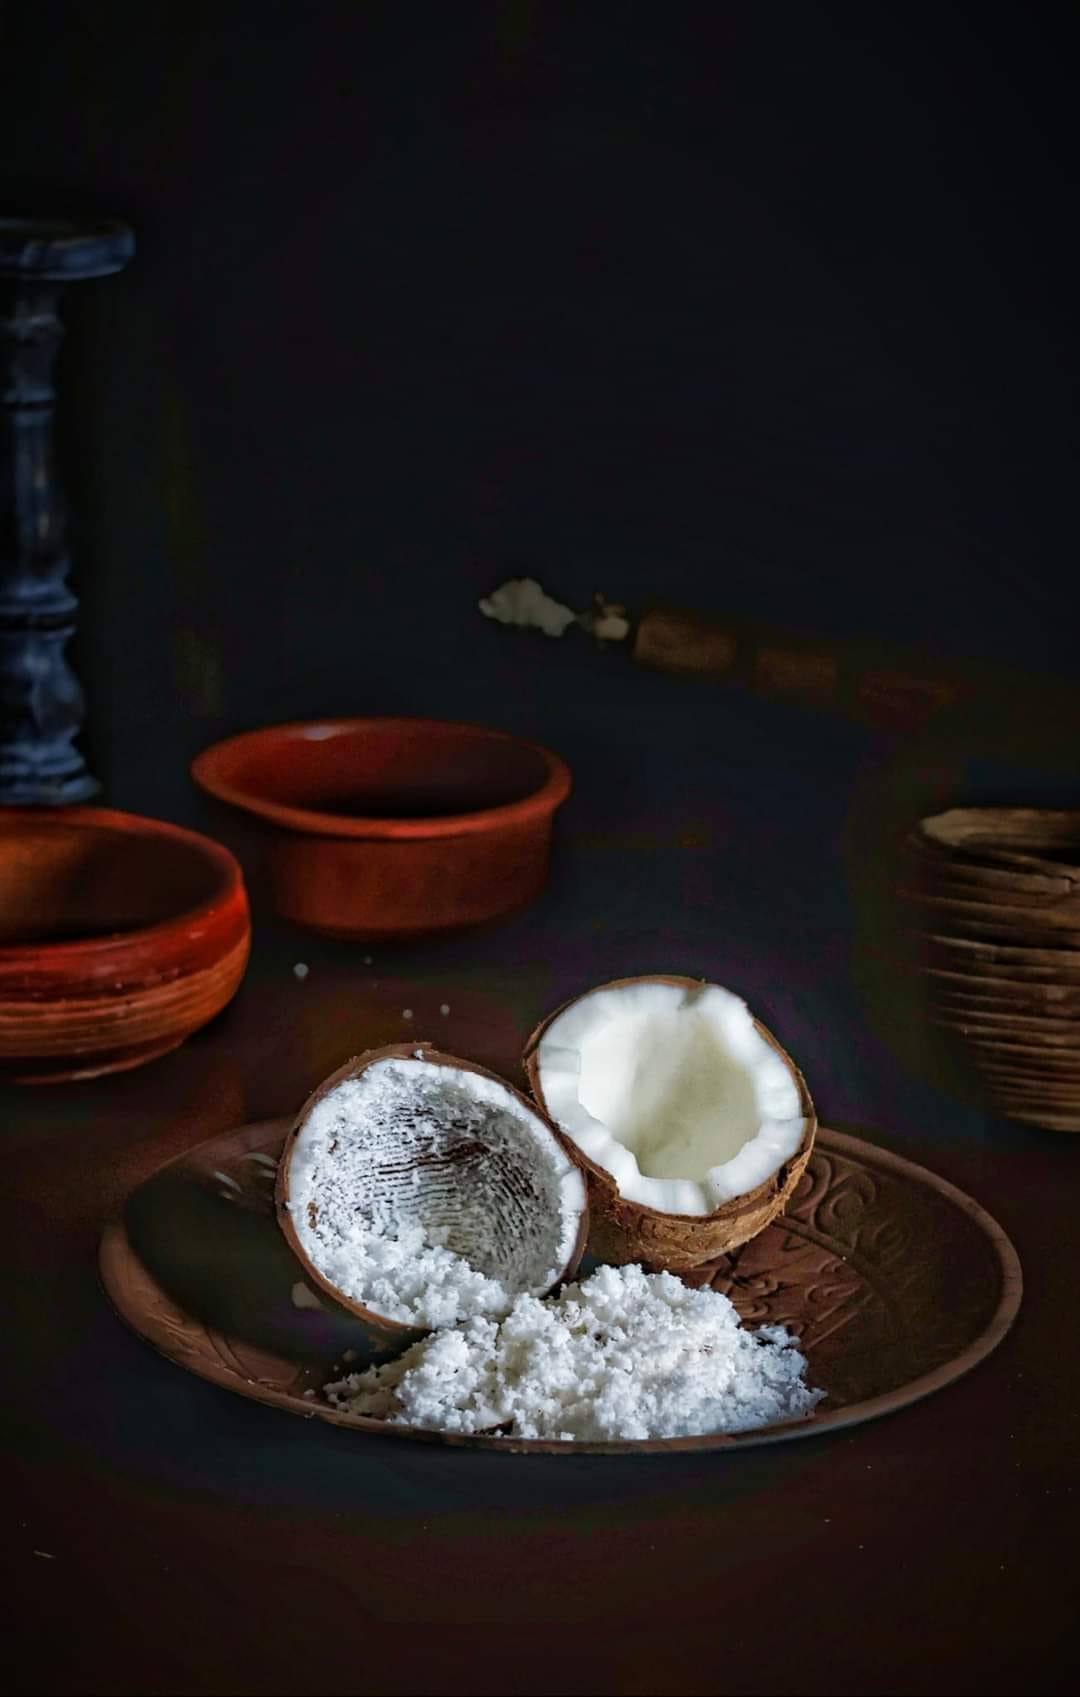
693, 1123
419, 1190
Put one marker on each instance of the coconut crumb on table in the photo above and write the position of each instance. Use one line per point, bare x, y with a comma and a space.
303, 1296
522, 601
622, 1354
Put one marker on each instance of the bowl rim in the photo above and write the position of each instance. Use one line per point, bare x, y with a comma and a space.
207, 771
960, 830
229, 883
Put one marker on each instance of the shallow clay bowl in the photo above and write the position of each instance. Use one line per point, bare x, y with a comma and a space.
990, 959
1039, 1086
1024, 1066
1027, 1093
1041, 1060
1055, 1043
1000, 873
1050, 1120
381, 829
1047, 1113
1049, 1014
1031, 839
995, 918
960, 1015
936, 874
1007, 995
1060, 1047
927, 845
1031, 1093
119, 937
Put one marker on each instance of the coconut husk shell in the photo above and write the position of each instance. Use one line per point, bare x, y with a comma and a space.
621, 1231
387, 1332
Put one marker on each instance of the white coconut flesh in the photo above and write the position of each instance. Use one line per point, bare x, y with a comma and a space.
673, 1091
428, 1194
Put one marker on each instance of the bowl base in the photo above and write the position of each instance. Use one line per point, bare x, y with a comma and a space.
38, 1070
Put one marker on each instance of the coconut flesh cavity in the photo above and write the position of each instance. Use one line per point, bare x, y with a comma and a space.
673, 1090
420, 1191
685, 1109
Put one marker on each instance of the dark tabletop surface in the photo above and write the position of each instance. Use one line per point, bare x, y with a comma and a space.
165, 1536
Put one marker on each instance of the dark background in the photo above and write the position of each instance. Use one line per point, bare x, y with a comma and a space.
761, 310
757, 309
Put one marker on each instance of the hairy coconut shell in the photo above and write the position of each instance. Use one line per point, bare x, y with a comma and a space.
622, 1231
385, 1331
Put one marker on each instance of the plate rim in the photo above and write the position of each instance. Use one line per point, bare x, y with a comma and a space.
115, 1249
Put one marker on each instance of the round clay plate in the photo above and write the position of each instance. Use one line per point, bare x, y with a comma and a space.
894, 1282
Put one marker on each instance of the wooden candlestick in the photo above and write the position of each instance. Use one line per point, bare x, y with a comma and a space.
41, 703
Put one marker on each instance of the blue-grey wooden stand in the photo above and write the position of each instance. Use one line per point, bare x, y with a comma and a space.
41, 703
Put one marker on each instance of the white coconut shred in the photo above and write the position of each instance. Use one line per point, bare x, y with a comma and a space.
523, 602
623, 1354
407, 1278
431, 1195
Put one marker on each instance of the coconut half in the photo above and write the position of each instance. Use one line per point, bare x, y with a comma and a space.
419, 1190
693, 1123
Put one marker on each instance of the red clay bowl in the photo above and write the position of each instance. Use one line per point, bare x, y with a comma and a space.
119, 937
393, 828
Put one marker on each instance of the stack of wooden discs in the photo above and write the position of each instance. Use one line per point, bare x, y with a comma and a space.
996, 897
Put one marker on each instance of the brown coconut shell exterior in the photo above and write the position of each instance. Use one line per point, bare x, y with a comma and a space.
622, 1231
386, 1332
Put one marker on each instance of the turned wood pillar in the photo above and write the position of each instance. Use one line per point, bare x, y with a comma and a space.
41, 703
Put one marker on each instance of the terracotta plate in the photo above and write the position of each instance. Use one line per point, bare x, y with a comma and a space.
895, 1283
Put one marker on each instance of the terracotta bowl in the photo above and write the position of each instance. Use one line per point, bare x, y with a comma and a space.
119, 937
381, 829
